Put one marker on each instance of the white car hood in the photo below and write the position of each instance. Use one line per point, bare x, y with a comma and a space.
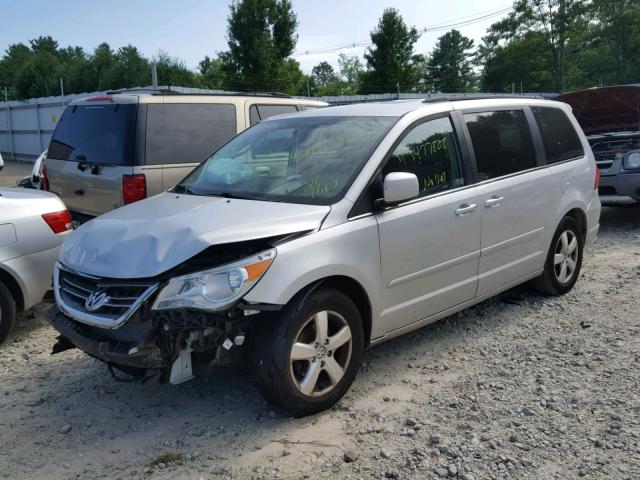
150, 237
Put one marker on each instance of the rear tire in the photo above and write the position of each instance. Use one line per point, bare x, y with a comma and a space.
564, 260
7, 312
306, 357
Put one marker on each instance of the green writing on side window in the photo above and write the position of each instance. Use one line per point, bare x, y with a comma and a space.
421, 151
434, 180
318, 186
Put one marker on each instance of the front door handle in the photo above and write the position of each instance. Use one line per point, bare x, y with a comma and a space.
465, 209
493, 202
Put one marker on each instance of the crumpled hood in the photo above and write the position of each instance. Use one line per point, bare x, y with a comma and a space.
606, 110
150, 237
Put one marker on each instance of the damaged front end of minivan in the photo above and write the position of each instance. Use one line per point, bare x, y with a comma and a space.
170, 328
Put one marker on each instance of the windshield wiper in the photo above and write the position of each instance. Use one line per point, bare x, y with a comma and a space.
237, 196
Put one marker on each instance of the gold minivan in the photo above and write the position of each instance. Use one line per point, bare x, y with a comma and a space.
113, 150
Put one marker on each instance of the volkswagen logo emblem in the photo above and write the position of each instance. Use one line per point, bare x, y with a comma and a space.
96, 300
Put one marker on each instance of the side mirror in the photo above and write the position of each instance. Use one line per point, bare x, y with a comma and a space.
399, 187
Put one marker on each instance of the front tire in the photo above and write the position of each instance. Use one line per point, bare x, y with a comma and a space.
7, 312
306, 358
564, 260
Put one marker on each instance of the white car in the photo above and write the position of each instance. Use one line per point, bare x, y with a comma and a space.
310, 236
1, 162
38, 178
33, 225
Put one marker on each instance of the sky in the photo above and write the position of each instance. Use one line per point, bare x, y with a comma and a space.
191, 29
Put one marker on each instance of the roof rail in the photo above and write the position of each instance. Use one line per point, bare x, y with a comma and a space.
448, 98
166, 91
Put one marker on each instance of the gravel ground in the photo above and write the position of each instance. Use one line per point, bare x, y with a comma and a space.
521, 386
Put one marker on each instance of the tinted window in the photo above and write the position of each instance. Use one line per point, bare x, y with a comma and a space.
254, 116
430, 151
260, 112
187, 133
502, 142
95, 134
561, 142
307, 160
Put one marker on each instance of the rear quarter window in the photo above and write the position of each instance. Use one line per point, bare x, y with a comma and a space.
561, 142
259, 112
187, 132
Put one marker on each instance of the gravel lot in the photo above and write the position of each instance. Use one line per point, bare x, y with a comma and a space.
522, 386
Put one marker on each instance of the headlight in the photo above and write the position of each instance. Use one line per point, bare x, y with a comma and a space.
631, 161
215, 289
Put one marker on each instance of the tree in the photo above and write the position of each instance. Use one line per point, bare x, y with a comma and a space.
13, 61
449, 67
555, 20
261, 35
173, 71
351, 71
212, 73
130, 69
523, 63
390, 60
617, 35
323, 74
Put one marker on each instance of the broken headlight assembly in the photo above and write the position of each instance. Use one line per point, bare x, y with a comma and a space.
215, 289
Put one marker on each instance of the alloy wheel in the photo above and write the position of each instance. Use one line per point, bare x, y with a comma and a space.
565, 258
320, 353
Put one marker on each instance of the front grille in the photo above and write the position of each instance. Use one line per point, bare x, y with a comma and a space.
99, 301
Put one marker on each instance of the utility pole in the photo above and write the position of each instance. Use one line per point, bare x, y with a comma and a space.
154, 76
308, 89
398, 87
61, 87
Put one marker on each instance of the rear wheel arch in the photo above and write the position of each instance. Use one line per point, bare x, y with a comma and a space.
581, 219
352, 289
14, 287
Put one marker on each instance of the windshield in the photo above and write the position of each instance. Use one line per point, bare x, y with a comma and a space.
95, 134
301, 160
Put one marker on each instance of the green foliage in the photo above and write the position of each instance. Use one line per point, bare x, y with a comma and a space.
36, 70
391, 61
261, 36
449, 67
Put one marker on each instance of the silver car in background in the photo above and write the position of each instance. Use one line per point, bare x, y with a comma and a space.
309, 237
33, 225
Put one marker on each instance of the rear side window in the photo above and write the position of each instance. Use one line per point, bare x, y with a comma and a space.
187, 132
259, 112
101, 134
430, 151
502, 142
561, 142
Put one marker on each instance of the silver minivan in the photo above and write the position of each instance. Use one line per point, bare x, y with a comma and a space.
112, 150
308, 238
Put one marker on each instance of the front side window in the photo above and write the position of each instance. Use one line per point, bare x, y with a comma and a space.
430, 151
561, 142
502, 142
304, 160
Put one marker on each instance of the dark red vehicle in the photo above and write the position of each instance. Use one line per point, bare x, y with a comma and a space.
610, 118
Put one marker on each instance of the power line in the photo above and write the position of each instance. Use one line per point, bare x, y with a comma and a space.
433, 28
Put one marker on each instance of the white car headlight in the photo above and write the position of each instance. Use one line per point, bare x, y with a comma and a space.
214, 290
631, 161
